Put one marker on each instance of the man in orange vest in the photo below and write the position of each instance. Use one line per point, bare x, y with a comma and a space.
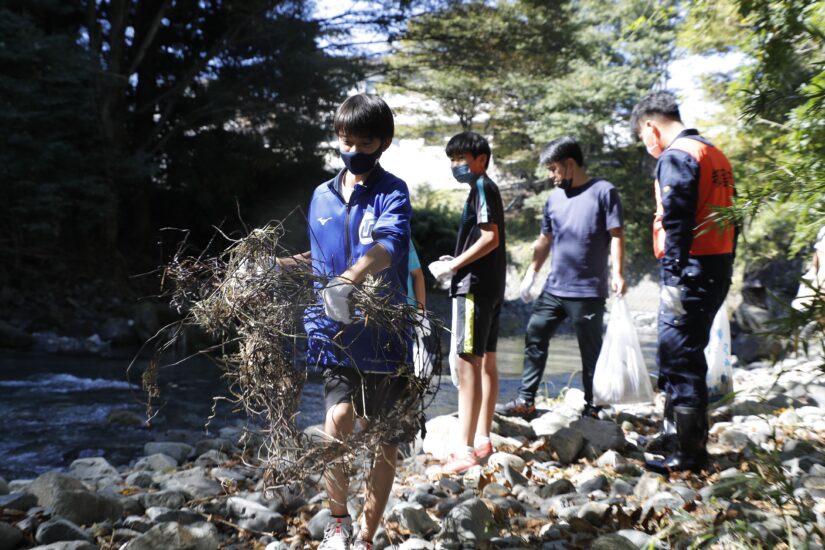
696, 251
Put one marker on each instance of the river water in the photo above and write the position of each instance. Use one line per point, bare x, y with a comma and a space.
54, 409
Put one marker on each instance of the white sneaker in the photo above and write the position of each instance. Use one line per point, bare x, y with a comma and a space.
361, 545
337, 534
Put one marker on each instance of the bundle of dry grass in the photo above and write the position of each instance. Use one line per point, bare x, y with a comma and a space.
255, 311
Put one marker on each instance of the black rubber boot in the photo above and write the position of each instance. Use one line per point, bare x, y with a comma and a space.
692, 436
665, 442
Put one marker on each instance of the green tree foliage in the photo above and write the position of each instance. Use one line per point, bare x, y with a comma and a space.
775, 106
54, 194
525, 72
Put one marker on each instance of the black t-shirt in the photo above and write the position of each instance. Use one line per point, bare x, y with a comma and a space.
485, 276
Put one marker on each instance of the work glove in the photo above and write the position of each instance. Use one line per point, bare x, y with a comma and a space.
525, 290
441, 271
670, 300
422, 359
336, 300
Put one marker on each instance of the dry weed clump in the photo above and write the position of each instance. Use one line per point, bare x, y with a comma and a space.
254, 310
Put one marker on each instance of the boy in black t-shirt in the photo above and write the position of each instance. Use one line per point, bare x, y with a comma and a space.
476, 280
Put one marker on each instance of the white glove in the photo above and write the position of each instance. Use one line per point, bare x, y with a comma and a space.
441, 271
336, 300
422, 361
670, 300
525, 290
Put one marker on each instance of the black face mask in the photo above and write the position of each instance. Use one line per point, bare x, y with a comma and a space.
360, 163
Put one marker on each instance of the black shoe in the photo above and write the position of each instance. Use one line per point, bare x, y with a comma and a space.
692, 437
664, 442
516, 407
591, 411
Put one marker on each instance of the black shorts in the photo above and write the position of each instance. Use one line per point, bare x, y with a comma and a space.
373, 394
475, 324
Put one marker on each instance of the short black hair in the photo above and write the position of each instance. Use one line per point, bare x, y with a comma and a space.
661, 104
468, 142
561, 149
365, 116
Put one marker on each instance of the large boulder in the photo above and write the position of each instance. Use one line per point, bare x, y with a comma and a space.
173, 536
254, 516
67, 497
179, 451
470, 522
95, 472
601, 434
10, 536
59, 529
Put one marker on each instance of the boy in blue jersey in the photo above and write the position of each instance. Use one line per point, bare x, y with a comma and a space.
476, 277
359, 225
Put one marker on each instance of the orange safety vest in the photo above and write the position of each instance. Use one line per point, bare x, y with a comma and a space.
715, 190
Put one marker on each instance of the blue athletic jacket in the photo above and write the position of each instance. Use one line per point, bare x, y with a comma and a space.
340, 234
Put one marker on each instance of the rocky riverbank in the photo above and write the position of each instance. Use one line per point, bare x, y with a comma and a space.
556, 482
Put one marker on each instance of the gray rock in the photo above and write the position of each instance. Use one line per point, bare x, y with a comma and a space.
206, 536
514, 476
612, 541
211, 458
139, 479
602, 434
255, 517
59, 529
795, 448
661, 501
18, 501
49, 485
513, 426
686, 493
67, 497
501, 459
67, 545
414, 518
648, 485
178, 451
558, 487
169, 536
567, 443
318, 523
593, 512
222, 444
427, 500
469, 522
156, 463
450, 486
611, 459
95, 472
416, 544
227, 475
494, 490
4, 486
10, 536
193, 483
166, 499
639, 539
595, 484
137, 523
124, 535
159, 514
621, 488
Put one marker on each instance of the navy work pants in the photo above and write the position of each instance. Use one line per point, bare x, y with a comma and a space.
680, 354
586, 314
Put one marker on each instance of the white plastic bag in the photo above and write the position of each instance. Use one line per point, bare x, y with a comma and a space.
423, 348
717, 354
621, 375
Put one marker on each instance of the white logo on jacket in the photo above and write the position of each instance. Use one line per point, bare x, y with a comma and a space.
324, 221
366, 227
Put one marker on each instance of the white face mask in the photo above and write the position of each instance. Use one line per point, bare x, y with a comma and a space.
652, 145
